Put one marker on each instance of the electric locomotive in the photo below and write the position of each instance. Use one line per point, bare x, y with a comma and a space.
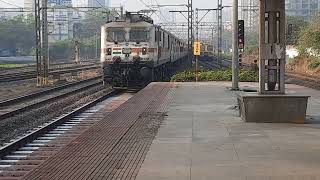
135, 52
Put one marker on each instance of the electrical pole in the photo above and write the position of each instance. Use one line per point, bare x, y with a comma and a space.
41, 24
38, 41
190, 31
197, 37
97, 45
220, 27
60, 24
235, 46
189, 19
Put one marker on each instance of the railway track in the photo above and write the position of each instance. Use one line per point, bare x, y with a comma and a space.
33, 74
211, 62
209, 65
303, 80
13, 107
25, 153
33, 66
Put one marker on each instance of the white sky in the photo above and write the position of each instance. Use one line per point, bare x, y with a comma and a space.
136, 5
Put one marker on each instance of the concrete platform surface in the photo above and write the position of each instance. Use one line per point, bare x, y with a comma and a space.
203, 138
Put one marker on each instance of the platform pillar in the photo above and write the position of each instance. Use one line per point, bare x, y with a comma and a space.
272, 104
272, 47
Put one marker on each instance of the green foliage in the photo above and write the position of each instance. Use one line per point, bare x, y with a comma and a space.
309, 38
18, 33
248, 76
61, 49
314, 63
251, 42
91, 25
217, 75
292, 60
12, 65
298, 24
65, 49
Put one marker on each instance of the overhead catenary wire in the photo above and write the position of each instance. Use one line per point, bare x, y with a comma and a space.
159, 16
105, 7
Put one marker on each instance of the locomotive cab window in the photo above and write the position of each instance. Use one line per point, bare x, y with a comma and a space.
116, 35
139, 35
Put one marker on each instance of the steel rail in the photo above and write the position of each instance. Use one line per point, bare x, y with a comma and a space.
6, 150
37, 94
32, 74
28, 107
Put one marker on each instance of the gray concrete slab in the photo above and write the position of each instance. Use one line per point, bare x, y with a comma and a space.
203, 138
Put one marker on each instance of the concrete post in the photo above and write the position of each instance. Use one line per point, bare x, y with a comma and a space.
235, 47
77, 52
272, 47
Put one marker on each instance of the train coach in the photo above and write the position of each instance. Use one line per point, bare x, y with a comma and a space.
135, 52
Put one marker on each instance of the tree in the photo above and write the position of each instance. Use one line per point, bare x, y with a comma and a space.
251, 42
92, 23
18, 33
309, 38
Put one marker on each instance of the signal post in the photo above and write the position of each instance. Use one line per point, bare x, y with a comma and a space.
240, 40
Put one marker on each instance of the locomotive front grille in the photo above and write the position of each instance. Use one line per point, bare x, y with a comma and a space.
126, 51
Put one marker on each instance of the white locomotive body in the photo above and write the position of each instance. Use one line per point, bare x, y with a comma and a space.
135, 52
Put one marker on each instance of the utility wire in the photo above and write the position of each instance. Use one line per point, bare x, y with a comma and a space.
105, 7
160, 10
163, 18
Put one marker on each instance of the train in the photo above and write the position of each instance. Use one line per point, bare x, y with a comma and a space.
135, 52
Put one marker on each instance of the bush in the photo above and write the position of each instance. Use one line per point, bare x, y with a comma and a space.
216, 75
248, 76
314, 63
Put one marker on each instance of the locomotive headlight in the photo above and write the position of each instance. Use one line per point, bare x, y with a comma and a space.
144, 51
109, 51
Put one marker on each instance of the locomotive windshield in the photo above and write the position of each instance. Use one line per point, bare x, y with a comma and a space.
116, 35
139, 35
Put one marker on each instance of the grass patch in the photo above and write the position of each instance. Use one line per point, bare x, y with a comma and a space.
216, 75
12, 65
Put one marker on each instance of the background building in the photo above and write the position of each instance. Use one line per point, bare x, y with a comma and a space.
304, 8
96, 3
60, 21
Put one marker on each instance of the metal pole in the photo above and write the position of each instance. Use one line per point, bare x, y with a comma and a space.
189, 32
235, 48
212, 39
197, 36
220, 26
38, 41
59, 24
121, 11
45, 42
97, 44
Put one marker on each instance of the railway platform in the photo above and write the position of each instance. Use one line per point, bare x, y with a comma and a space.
189, 131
